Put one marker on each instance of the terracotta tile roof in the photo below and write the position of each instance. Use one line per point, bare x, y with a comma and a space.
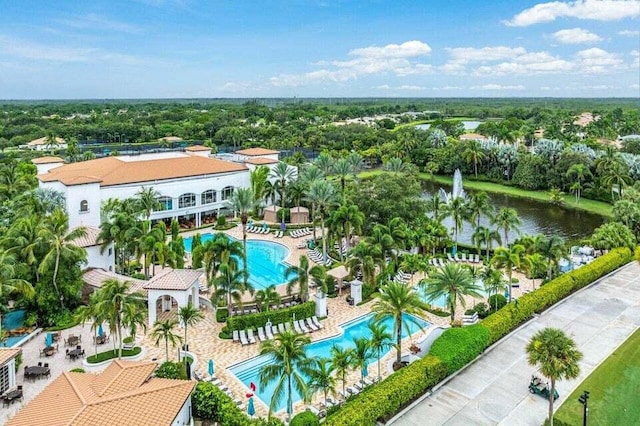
197, 148
112, 171
47, 160
256, 152
123, 393
90, 239
43, 141
7, 353
174, 279
95, 278
260, 160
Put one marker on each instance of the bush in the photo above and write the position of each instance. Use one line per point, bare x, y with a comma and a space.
482, 309
456, 347
284, 212
31, 319
243, 322
172, 370
128, 339
383, 400
104, 356
210, 403
222, 314
637, 254
306, 418
61, 321
496, 302
225, 333
221, 221
77, 370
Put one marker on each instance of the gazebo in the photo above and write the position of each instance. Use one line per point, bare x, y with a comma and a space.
271, 213
181, 285
339, 273
299, 215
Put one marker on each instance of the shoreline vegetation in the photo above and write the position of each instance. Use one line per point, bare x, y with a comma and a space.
590, 206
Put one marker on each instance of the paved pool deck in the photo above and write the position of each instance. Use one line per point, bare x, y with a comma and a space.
494, 390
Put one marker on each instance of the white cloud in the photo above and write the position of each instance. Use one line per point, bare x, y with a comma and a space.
498, 87
634, 86
629, 33
489, 53
448, 88
635, 55
599, 87
94, 21
597, 10
519, 61
597, 61
398, 59
576, 36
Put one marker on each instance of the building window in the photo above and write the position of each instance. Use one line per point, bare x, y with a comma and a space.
110, 251
84, 206
166, 203
187, 200
208, 197
227, 192
4, 378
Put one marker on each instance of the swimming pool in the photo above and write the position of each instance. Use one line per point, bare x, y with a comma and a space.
11, 321
248, 371
265, 261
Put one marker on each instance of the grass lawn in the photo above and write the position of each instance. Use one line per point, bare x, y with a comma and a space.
613, 388
104, 356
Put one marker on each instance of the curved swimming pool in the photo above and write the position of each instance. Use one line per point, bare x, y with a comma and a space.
265, 261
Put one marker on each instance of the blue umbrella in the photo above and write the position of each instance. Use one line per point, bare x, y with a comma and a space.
100, 331
251, 410
48, 341
211, 368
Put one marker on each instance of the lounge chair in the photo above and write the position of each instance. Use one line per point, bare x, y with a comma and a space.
359, 386
261, 334
464, 257
441, 262
367, 381
316, 322
243, 338
287, 326
268, 332
456, 258
477, 258
281, 328
451, 259
302, 326
252, 339
311, 325
352, 390
297, 328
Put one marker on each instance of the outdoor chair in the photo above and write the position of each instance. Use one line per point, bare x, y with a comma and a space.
311, 325
303, 327
250, 336
316, 322
297, 328
243, 338
261, 334
268, 332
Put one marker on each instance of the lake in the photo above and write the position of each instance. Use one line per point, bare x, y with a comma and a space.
468, 125
536, 217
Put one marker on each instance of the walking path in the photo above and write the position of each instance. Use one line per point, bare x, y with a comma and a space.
494, 390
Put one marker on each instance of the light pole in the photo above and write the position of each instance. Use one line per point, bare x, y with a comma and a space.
585, 412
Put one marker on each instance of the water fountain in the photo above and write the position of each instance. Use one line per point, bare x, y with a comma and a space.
456, 192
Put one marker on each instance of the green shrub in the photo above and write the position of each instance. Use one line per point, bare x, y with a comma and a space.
383, 400
77, 370
172, 370
482, 309
242, 322
637, 254
456, 347
496, 302
221, 221
210, 403
104, 356
61, 321
31, 319
222, 314
128, 339
306, 418
284, 212
138, 276
225, 333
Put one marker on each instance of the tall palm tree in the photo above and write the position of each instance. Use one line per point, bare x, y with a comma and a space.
259, 178
362, 354
351, 219
616, 176
556, 356
553, 249
147, 199
507, 219
242, 202
303, 274
474, 154
480, 204
283, 175
323, 195
395, 300
343, 169
341, 363
230, 285
437, 207
321, 378
578, 173
458, 210
267, 297
163, 330
118, 306
365, 257
89, 312
534, 264
493, 282
288, 363
485, 236
508, 258
379, 341
8, 281
189, 316
308, 176
454, 282
324, 162
54, 234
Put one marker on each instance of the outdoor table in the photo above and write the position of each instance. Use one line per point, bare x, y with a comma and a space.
72, 340
100, 339
49, 351
9, 397
36, 371
73, 354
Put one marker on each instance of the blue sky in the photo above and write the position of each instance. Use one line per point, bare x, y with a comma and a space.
328, 48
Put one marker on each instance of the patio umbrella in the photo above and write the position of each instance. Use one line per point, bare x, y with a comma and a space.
48, 341
211, 368
100, 331
251, 410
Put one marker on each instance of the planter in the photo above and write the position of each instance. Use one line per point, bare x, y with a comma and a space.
99, 366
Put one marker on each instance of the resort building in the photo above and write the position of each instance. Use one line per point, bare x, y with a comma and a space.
124, 393
96, 257
44, 144
8, 369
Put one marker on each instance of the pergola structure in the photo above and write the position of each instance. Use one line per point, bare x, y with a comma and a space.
181, 285
271, 213
299, 214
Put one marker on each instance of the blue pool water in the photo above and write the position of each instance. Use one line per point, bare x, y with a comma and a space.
266, 261
249, 370
11, 321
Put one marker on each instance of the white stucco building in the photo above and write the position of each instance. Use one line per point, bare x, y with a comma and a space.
96, 257
44, 144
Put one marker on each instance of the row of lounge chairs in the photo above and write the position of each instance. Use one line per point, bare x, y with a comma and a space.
402, 277
297, 233
247, 337
317, 257
463, 258
342, 249
254, 309
278, 234
258, 229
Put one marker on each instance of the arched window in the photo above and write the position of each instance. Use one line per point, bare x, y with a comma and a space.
166, 203
84, 206
208, 197
187, 200
227, 192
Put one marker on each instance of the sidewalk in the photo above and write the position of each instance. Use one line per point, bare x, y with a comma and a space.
494, 390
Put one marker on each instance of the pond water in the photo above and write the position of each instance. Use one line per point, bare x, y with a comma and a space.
536, 217
468, 125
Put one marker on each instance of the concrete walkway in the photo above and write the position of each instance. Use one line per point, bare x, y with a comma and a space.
494, 390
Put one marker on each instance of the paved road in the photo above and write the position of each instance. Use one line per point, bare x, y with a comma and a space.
494, 389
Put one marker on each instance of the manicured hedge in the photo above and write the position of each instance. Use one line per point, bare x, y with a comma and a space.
210, 403
456, 347
104, 356
306, 418
508, 318
637, 254
242, 322
386, 398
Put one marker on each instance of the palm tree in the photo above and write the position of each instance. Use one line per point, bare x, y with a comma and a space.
437, 207
474, 154
310, 175
242, 201
55, 235
493, 282
362, 354
89, 312
341, 363
303, 274
259, 178
325, 163
321, 378
189, 316
288, 362
485, 236
364, 257
396, 166
454, 282
616, 176
163, 330
267, 297
343, 169
323, 195
395, 300
508, 259
534, 264
380, 340
118, 307
578, 173
351, 219
556, 356
553, 249
147, 199
8, 281
507, 219
458, 209
480, 204
282, 174
229, 284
